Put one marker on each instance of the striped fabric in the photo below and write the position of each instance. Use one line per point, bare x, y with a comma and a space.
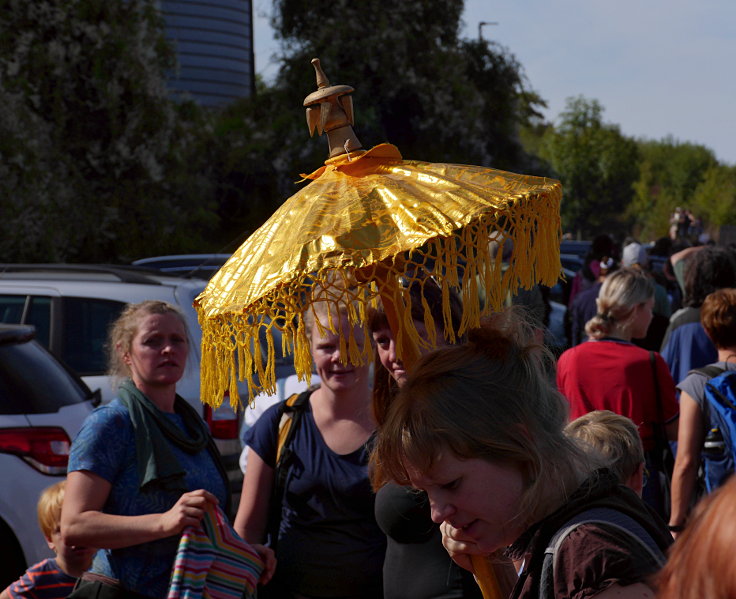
213, 562
45, 580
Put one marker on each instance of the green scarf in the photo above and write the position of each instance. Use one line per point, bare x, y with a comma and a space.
157, 464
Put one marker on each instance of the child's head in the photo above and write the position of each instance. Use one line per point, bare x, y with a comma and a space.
49, 508
617, 439
72, 560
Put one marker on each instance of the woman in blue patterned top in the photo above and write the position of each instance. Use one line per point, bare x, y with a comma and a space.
144, 466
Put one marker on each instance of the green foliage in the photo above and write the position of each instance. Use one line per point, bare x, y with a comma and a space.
714, 199
670, 174
597, 166
95, 163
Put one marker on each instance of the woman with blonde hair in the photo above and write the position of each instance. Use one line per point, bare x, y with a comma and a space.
700, 564
326, 538
144, 467
609, 372
479, 428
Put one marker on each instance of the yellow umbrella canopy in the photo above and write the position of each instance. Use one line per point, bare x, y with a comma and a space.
368, 225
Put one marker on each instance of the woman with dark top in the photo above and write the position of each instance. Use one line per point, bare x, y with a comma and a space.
479, 428
143, 467
327, 542
609, 372
417, 566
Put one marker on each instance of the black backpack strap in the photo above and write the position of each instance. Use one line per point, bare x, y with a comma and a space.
291, 410
598, 515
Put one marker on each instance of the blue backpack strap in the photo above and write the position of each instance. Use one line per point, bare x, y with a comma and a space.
598, 515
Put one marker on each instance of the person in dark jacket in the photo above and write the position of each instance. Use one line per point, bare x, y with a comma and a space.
479, 428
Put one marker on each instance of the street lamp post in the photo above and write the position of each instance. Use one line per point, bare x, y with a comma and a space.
482, 24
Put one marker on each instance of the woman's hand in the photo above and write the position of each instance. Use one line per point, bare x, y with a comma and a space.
459, 546
269, 562
188, 511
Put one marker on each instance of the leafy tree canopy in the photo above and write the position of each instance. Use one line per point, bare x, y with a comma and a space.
670, 174
597, 165
94, 163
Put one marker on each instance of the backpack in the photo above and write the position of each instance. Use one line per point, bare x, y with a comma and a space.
720, 442
291, 411
595, 515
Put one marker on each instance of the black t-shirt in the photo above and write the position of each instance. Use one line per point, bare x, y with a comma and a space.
417, 566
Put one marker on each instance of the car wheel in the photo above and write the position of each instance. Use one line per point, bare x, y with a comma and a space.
13, 564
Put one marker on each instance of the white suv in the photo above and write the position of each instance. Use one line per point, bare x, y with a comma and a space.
72, 306
42, 407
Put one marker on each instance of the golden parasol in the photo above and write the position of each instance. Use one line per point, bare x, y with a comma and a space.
368, 221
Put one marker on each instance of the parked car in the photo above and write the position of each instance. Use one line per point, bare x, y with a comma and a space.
72, 306
572, 262
42, 407
579, 248
201, 266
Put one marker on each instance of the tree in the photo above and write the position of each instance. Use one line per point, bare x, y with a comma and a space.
418, 85
95, 160
714, 199
597, 166
670, 174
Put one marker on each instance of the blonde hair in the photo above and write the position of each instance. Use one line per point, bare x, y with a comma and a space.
613, 436
620, 294
49, 508
700, 563
328, 306
490, 398
125, 328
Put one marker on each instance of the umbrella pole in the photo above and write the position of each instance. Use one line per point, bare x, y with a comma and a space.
483, 569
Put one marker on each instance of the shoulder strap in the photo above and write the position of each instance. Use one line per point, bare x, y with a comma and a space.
291, 409
653, 364
285, 421
599, 515
291, 413
711, 371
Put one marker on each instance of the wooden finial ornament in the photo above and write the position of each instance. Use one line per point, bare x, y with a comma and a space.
330, 110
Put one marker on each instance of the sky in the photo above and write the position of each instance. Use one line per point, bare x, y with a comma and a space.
658, 67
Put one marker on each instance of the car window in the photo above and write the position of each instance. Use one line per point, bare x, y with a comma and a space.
39, 315
85, 325
32, 382
11, 308
25, 309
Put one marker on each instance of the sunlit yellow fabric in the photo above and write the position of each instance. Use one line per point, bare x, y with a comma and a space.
415, 218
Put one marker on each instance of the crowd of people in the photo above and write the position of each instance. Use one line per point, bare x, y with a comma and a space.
394, 484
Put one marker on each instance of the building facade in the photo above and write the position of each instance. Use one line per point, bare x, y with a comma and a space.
213, 40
